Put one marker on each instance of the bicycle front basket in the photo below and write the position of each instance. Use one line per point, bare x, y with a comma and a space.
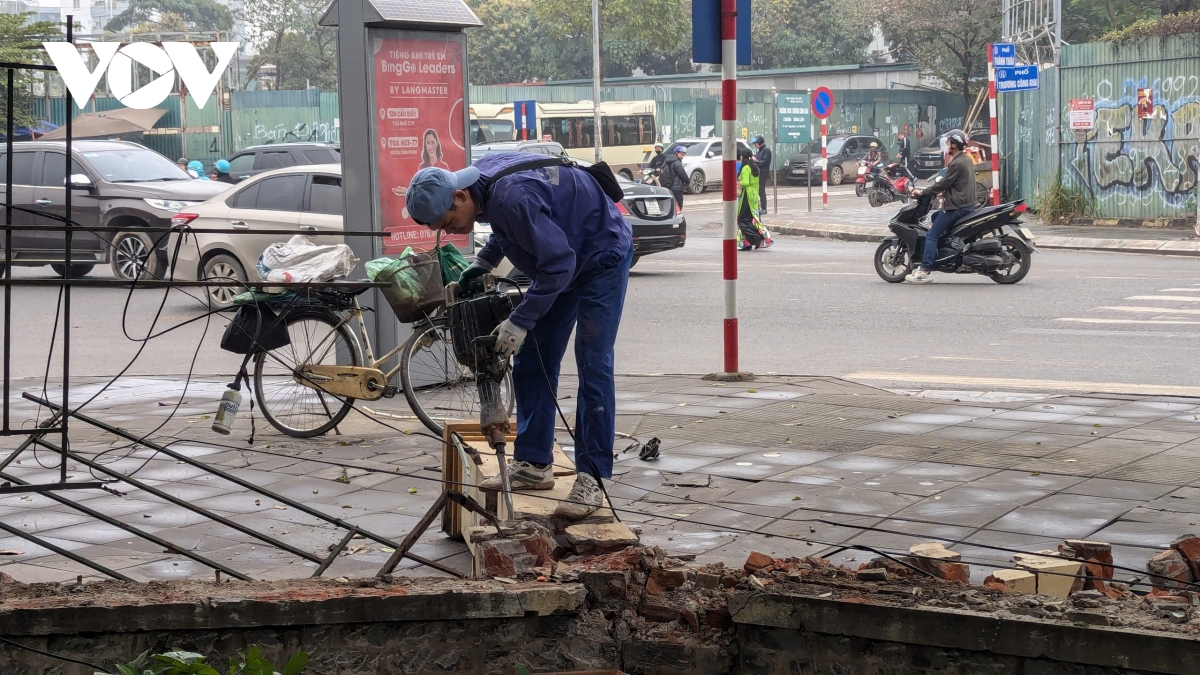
415, 286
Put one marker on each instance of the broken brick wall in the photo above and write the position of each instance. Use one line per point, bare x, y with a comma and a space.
784, 651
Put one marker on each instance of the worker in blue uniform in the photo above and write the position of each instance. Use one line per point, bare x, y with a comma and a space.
558, 227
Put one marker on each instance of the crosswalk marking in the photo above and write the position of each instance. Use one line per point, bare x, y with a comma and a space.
1168, 298
1145, 322
1150, 310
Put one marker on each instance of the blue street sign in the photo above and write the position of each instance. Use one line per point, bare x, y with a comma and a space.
1020, 78
706, 31
822, 102
1004, 54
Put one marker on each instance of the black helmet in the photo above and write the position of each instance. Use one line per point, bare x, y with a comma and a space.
957, 139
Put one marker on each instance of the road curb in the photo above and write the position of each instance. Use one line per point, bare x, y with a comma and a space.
873, 234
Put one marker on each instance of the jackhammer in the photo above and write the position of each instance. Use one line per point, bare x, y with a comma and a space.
473, 318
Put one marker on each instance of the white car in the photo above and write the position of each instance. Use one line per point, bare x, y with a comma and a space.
307, 197
703, 161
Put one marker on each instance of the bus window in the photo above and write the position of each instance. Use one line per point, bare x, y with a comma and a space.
620, 131
490, 131
571, 132
646, 133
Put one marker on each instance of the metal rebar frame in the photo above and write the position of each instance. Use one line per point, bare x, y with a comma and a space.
61, 413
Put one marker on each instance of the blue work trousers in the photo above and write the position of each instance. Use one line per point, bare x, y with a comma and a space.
592, 308
942, 222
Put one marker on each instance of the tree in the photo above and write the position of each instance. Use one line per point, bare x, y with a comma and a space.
508, 47
949, 37
19, 40
800, 33
166, 15
288, 35
635, 34
1087, 20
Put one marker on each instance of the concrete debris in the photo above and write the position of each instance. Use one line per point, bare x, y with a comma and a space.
521, 550
935, 559
591, 538
1189, 547
1012, 581
1169, 570
1056, 576
872, 574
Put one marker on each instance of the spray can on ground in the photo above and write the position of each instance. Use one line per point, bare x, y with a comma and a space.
227, 411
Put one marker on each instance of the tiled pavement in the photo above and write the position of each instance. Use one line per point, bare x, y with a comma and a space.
785, 465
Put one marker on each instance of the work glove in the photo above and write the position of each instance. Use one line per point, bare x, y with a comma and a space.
470, 282
509, 337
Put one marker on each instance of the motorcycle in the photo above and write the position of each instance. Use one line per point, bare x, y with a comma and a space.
990, 241
867, 172
896, 182
649, 177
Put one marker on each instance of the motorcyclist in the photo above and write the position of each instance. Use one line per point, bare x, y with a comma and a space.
221, 172
958, 189
656, 162
674, 177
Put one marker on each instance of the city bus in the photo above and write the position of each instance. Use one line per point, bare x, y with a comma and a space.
488, 125
629, 130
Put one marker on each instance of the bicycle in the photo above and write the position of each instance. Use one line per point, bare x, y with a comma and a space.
308, 386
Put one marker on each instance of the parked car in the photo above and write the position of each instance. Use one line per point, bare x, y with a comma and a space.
931, 159
702, 161
843, 152
300, 197
658, 225
549, 148
255, 160
113, 184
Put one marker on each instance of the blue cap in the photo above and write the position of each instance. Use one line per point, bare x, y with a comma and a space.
431, 192
222, 166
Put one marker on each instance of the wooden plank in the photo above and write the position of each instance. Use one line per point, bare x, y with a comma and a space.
538, 505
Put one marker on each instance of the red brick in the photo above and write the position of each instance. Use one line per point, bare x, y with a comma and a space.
1169, 569
496, 564
654, 588
893, 568
950, 571
658, 613
689, 617
1189, 547
757, 561
993, 585
669, 579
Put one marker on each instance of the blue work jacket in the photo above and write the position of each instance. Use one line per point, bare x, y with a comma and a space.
552, 223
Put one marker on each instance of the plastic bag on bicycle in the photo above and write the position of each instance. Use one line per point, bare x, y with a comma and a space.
255, 328
453, 263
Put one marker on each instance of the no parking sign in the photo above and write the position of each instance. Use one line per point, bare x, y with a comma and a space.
822, 102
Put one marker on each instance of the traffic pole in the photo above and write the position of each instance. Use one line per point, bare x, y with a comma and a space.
992, 123
824, 166
729, 183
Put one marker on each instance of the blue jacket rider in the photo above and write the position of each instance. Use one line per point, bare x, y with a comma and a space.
558, 228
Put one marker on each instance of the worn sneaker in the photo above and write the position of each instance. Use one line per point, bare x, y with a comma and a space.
523, 476
919, 276
584, 499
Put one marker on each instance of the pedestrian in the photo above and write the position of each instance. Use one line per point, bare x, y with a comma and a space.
751, 234
560, 229
904, 152
221, 172
763, 156
674, 177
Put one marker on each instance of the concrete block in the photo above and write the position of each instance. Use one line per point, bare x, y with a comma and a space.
1169, 569
1189, 547
872, 574
934, 550
1055, 576
1016, 581
594, 538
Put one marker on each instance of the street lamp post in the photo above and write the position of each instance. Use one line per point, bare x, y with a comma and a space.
596, 128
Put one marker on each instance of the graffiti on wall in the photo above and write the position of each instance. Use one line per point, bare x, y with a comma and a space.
311, 132
1152, 162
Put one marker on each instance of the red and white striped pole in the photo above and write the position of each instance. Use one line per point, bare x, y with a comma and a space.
992, 124
729, 182
824, 165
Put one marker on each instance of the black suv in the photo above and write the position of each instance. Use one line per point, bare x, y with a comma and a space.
843, 151
260, 158
113, 183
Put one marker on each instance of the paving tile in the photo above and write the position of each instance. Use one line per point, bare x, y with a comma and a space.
861, 501
933, 419
1061, 408
735, 553
1021, 480
908, 485
1120, 489
676, 462
1033, 416
938, 470
971, 411
971, 505
722, 517
898, 427
745, 468
1148, 434
999, 423
1181, 500
973, 433
775, 494
714, 450
902, 534
97, 532
1065, 516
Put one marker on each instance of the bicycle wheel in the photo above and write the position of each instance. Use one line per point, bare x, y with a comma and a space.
436, 386
297, 409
